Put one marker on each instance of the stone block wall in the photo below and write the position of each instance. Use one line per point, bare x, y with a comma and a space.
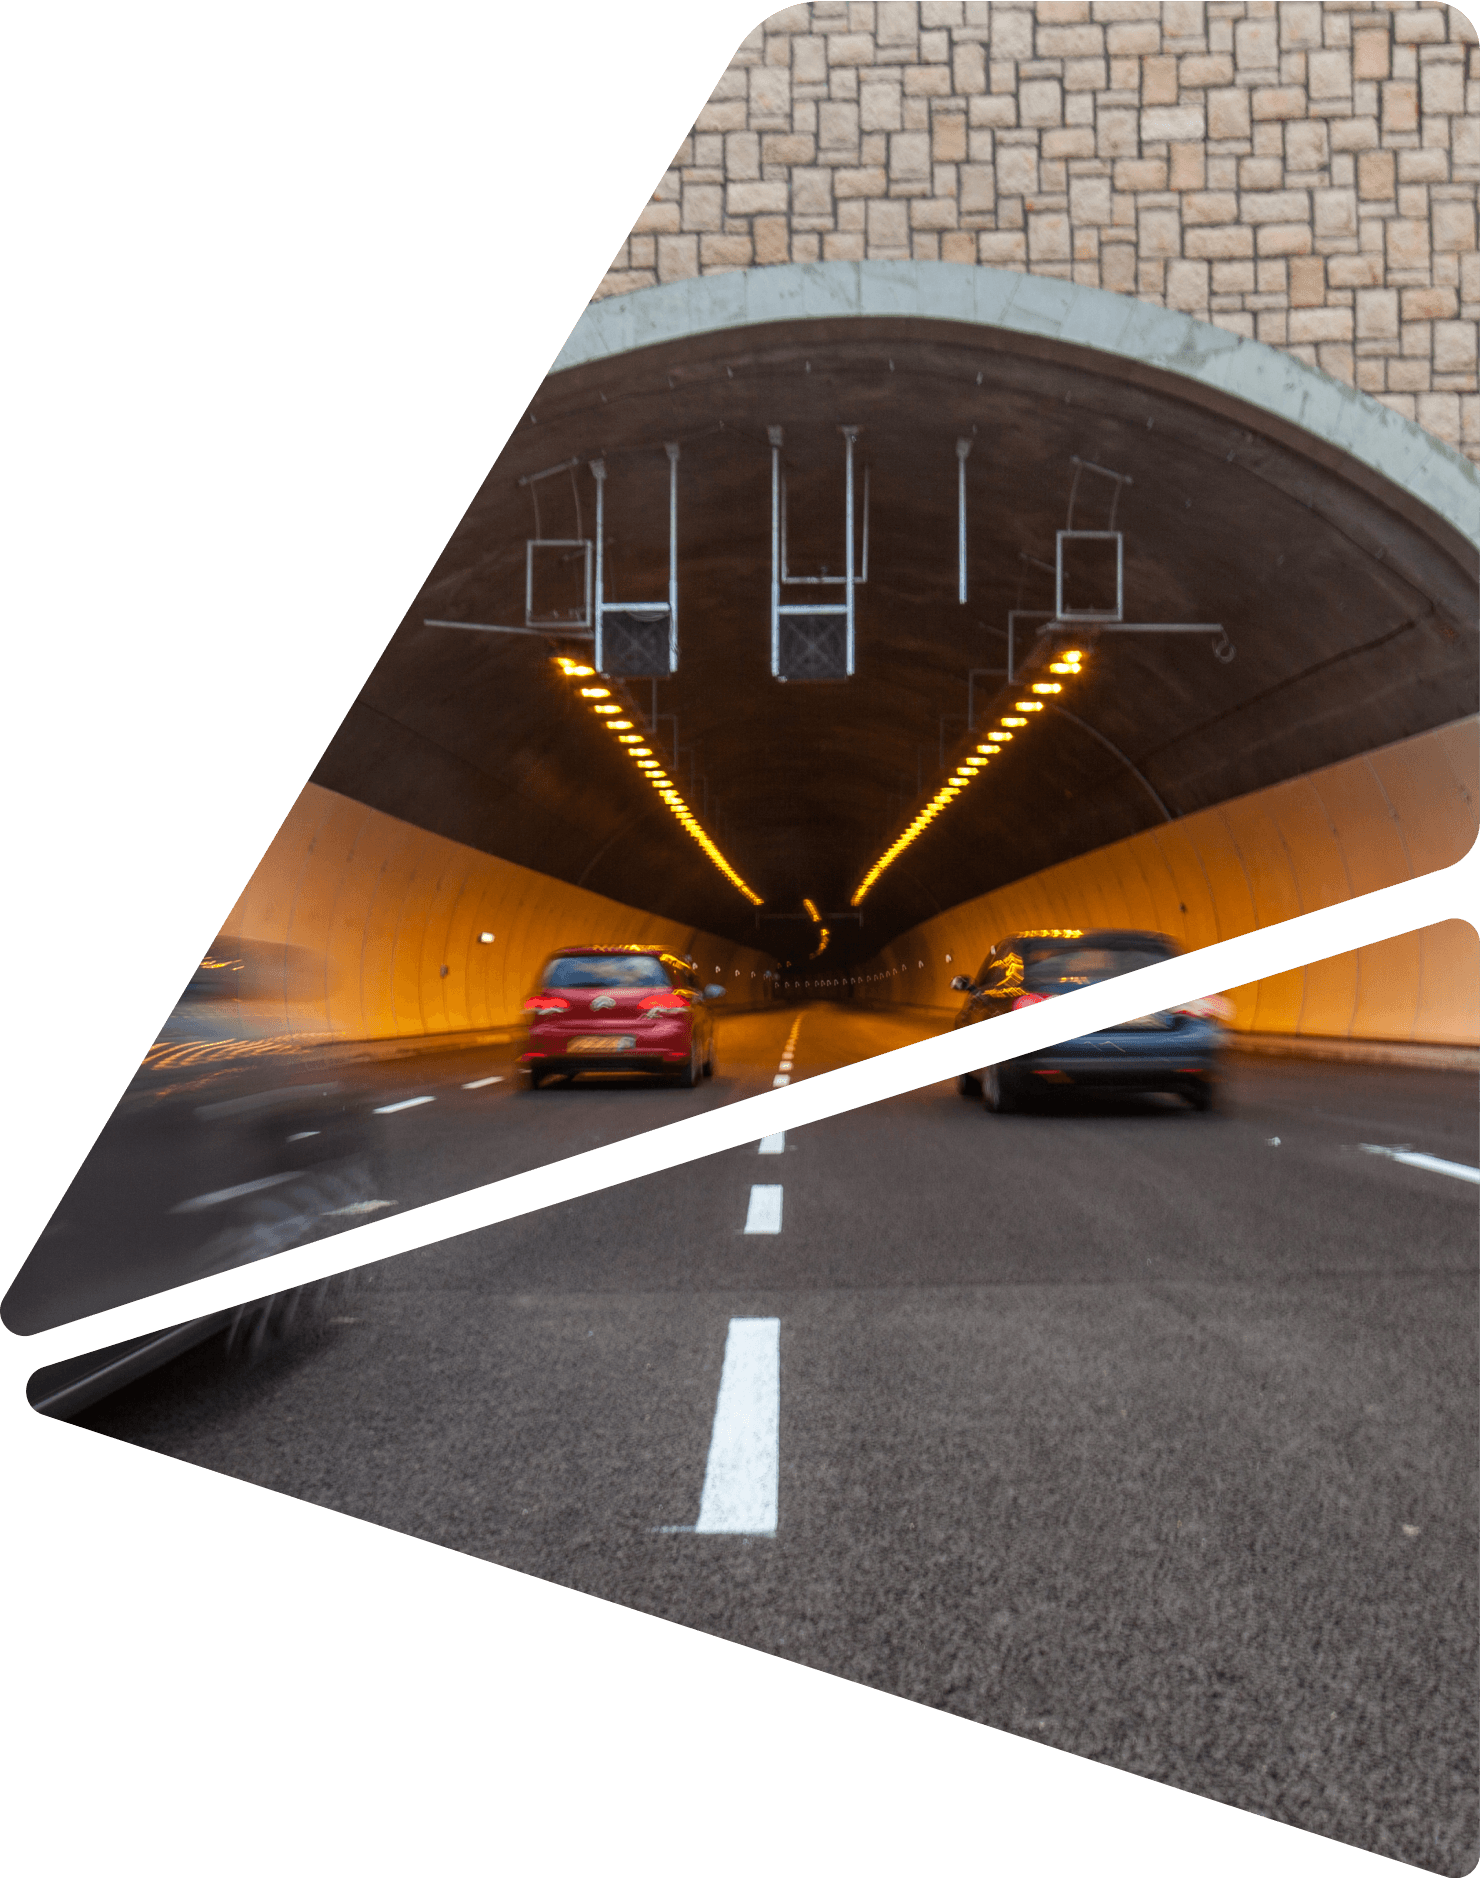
1302, 172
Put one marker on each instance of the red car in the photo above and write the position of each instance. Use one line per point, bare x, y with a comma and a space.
619, 1007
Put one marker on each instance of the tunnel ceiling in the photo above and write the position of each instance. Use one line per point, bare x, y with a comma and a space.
1350, 606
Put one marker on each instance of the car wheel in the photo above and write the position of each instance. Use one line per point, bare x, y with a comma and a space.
1202, 1094
709, 1060
692, 1072
997, 1095
531, 1078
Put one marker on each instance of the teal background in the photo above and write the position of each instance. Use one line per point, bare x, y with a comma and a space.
278, 284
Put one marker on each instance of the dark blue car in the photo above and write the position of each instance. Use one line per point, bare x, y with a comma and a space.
1174, 1051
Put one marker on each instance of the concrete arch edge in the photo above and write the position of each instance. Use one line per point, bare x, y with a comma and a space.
1398, 452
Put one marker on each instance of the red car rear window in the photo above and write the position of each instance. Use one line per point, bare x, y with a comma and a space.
620, 971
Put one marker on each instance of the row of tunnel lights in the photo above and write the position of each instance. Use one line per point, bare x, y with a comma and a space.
1067, 665
634, 744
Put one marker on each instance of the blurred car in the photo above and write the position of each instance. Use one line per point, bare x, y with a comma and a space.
1177, 1051
231, 1143
619, 1007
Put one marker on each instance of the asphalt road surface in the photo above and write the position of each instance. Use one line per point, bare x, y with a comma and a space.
1143, 1433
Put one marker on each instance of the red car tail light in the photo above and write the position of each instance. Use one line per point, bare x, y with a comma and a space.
663, 1001
546, 1007
1029, 997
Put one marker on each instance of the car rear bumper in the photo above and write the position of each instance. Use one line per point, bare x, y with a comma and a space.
570, 1063
1124, 1059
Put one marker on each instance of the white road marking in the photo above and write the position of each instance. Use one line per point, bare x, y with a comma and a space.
780, 1082
764, 1214
773, 1144
304, 1134
1429, 1162
235, 1193
411, 1102
742, 1474
482, 1082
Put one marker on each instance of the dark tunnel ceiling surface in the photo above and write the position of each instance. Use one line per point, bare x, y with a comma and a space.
1351, 607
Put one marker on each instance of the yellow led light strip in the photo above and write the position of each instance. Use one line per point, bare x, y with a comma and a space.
599, 700
1020, 719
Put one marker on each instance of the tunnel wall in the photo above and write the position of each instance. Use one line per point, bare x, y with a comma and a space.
1345, 830
367, 910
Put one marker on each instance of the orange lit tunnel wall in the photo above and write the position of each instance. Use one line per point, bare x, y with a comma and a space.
368, 911
1366, 823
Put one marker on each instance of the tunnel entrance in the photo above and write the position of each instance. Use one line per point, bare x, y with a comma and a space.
1349, 603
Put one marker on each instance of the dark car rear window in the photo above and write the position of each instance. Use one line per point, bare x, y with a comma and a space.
1087, 965
625, 971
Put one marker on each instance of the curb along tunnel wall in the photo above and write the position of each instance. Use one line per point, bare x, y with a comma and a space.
1345, 830
352, 915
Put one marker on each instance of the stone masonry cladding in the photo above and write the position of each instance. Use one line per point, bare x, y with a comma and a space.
1302, 173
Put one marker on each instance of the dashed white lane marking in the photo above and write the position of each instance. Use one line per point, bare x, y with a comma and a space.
223, 1194
764, 1214
482, 1082
1429, 1162
743, 1470
773, 1144
411, 1102
780, 1082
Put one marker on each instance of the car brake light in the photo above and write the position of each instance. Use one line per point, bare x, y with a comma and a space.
1029, 997
663, 1001
545, 1007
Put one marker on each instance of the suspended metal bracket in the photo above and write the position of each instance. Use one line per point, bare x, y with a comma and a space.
567, 547
637, 639
1008, 671
1090, 565
1224, 649
1105, 618
963, 450
526, 632
814, 639
1121, 482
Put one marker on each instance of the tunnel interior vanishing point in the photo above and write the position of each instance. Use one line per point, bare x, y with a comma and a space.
1346, 604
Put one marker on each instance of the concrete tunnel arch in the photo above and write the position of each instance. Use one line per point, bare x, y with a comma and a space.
1134, 333
463, 738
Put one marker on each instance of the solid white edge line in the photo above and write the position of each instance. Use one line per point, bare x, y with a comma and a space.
764, 1212
742, 1473
411, 1102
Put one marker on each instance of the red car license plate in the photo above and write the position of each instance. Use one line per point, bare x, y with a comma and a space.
599, 1046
